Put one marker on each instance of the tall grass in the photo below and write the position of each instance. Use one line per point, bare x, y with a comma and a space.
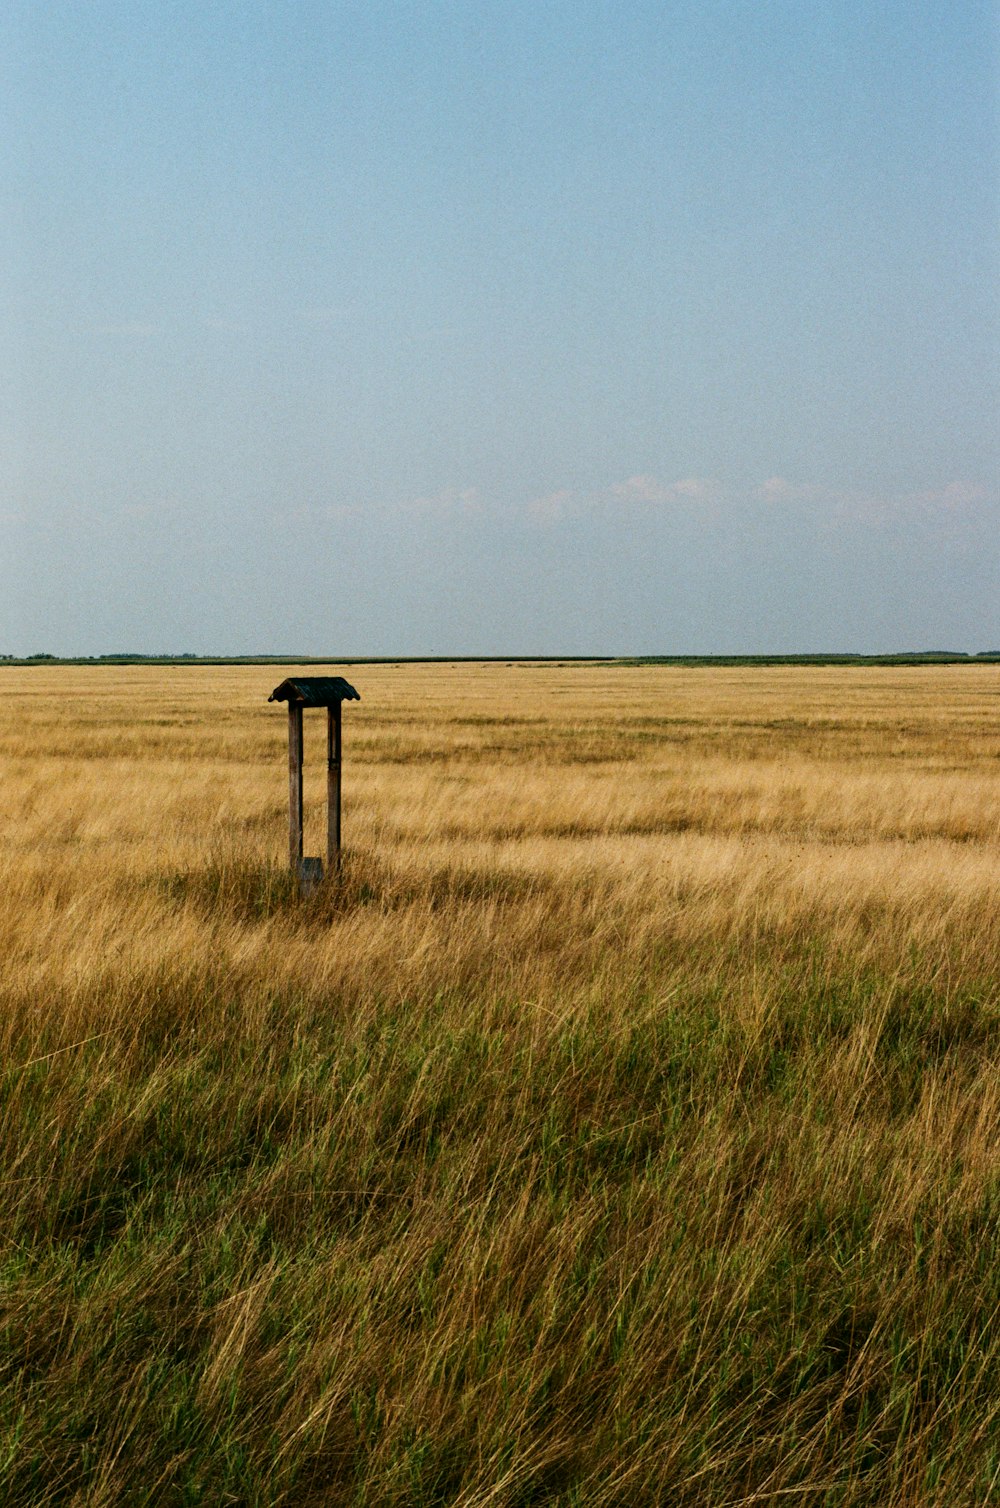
620, 1129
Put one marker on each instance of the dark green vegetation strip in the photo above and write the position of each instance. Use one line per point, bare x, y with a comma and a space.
919, 657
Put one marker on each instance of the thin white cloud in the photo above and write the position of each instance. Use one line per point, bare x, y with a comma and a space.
956, 497
779, 490
648, 489
639, 489
553, 506
449, 500
953, 507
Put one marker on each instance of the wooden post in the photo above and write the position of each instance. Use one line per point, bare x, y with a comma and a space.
295, 787
333, 750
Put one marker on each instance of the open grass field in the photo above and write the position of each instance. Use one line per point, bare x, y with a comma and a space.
623, 1129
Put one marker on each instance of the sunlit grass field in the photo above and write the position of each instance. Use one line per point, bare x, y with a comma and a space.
623, 1128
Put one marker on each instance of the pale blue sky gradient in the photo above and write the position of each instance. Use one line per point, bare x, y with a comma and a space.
499, 328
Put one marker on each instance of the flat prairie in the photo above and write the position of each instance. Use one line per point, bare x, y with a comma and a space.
622, 1127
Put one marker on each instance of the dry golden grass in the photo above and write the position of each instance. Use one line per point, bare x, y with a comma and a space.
621, 1129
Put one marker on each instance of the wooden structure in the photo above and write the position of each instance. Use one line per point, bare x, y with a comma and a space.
314, 691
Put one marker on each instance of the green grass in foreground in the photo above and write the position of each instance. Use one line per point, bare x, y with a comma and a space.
638, 1248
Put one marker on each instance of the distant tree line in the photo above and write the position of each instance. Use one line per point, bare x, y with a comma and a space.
905, 657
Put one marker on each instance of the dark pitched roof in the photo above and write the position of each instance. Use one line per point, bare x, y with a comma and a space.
315, 691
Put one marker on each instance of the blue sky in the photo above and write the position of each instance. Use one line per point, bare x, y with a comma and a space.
499, 328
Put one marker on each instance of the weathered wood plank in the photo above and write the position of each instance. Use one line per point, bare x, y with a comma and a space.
310, 875
333, 786
295, 786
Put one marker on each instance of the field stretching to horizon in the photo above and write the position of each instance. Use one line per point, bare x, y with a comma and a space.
622, 1128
